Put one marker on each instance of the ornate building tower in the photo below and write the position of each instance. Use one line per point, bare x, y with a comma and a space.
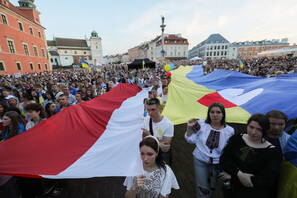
96, 48
27, 3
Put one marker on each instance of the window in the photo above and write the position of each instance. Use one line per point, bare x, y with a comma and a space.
26, 49
210, 53
75, 52
222, 53
226, 47
215, 47
65, 52
2, 66
4, 20
85, 52
207, 54
42, 51
218, 47
35, 51
223, 47
225, 53
11, 46
21, 26
52, 60
31, 30
39, 66
39, 34
45, 66
66, 58
214, 53
31, 66
19, 66
210, 47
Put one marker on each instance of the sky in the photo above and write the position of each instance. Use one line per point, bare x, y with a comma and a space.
125, 24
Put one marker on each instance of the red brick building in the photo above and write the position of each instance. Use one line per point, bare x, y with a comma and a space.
22, 39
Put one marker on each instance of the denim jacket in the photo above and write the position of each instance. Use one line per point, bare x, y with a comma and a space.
283, 140
4, 135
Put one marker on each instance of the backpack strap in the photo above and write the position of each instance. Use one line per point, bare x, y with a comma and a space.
151, 127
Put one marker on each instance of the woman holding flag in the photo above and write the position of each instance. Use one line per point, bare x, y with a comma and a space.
210, 136
157, 179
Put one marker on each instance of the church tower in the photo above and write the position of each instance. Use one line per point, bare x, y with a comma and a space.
96, 48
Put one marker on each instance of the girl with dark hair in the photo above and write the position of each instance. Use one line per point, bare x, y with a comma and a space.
210, 136
158, 178
50, 109
49, 98
13, 125
251, 162
3, 109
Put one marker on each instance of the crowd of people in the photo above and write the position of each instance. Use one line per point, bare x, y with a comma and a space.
247, 163
264, 67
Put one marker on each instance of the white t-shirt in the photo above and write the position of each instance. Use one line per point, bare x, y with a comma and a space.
161, 129
156, 183
202, 151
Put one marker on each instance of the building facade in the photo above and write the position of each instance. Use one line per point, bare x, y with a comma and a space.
214, 47
250, 49
67, 51
22, 39
175, 47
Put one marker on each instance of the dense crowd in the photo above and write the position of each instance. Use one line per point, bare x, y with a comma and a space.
264, 67
26, 100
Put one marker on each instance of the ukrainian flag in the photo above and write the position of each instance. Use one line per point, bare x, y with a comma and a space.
288, 180
40, 98
241, 64
85, 64
191, 93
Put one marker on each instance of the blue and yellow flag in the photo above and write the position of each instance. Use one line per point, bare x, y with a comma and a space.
191, 93
41, 100
288, 179
85, 64
241, 64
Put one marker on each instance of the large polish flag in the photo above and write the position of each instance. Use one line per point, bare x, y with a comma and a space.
92, 139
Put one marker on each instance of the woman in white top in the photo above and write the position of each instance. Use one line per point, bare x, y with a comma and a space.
158, 178
210, 136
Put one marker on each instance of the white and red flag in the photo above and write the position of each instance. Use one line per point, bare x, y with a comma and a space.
92, 139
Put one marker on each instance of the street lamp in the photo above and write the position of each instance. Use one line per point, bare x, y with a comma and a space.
162, 29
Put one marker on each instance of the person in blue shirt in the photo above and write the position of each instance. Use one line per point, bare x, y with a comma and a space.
290, 150
276, 134
13, 124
